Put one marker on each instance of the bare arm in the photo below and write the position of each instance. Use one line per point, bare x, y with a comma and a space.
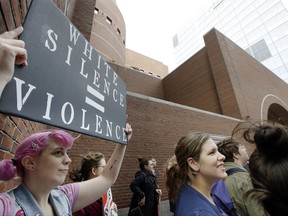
12, 51
91, 190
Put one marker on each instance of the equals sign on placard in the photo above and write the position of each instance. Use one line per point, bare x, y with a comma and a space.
92, 102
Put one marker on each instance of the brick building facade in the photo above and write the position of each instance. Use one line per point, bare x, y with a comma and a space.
212, 91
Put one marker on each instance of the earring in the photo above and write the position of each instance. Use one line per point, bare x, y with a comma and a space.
32, 166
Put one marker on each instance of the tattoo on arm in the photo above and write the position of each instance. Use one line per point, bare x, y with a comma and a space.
113, 164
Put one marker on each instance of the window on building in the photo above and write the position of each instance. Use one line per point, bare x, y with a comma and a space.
175, 41
96, 11
259, 50
118, 31
249, 51
109, 20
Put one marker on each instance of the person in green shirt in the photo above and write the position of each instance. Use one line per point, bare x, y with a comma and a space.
239, 182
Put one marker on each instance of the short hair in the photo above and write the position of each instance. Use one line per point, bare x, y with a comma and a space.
228, 147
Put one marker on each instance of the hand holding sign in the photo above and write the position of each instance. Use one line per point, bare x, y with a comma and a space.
67, 84
128, 130
12, 51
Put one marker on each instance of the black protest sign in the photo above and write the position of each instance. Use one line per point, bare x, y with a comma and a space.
67, 83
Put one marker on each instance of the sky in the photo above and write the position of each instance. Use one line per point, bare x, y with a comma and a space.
151, 25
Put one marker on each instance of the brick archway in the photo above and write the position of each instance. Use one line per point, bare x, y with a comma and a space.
278, 114
274, 108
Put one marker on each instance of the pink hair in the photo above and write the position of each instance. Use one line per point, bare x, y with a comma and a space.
32, 146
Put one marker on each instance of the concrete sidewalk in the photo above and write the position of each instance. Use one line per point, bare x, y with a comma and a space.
164, 209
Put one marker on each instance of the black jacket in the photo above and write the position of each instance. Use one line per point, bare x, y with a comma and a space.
145, 184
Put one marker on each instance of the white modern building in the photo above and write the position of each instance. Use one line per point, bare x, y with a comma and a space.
258, 26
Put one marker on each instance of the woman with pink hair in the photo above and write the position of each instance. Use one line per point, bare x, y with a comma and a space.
42, 161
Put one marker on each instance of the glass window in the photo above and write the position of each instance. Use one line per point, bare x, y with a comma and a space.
260, 50
273, 62
273, 11
244, 9
284, 56
238, 36
248, 19
236, 4
230, 23
279, 32
224, 12
242, 42
258, 3
282, 44
276, 21
252, 25
233, 30
266, 5
248, 50
273, 49
175, 40
108, 20
256, 34
282, 72
262, 55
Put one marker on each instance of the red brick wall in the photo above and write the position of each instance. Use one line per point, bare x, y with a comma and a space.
81, 15
12, 131
140, 82
192, 84
145, 63
13, 12
219, 71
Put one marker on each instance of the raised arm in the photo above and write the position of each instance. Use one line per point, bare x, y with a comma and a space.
91, 190
12, 51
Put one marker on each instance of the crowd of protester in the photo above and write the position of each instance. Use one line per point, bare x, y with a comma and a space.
42, 161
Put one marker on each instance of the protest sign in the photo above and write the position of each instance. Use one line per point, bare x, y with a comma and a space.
67, 83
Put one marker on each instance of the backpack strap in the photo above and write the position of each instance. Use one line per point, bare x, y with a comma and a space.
234, 170
221, 197
228, 210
